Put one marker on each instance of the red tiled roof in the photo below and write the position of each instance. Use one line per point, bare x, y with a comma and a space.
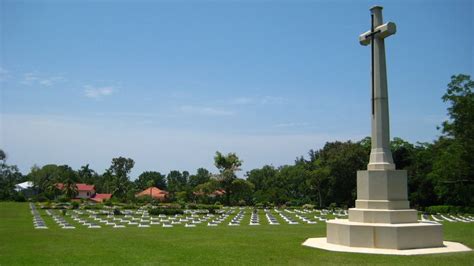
199, 193
85, 187
218, 192
98, 197
80, 187
153, 192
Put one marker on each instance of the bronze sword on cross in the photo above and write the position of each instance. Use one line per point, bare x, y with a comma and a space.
382, 31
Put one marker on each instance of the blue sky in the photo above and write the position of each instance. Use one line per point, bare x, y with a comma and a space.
170, 83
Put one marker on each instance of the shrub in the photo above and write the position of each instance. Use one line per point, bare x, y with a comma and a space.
144, 199
40, 198
128, 207
332, 206
166, 211
192, 206
20, 197
94, 207
449, 209
75, 205
117, 211
47, 205
308, 206
59, 206
170, 205
155, 202
62, 198
208, 207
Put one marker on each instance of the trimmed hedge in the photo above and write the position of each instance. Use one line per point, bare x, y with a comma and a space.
93, 207
170, 206
193, 206
166, 211
127, 206
449, 209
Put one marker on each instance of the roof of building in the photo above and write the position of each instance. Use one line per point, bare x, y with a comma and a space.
80, 187
218, 192
25, 185
153, 192
85, 187
100, 197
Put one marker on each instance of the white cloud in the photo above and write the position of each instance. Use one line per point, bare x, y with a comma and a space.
261, 100
152, 148
292, 124
51, 81
243, 101
98, 92
272, 100
35, 78
202, 110
4, 74
30, 78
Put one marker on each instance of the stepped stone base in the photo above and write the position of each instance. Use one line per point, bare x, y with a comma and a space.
448, 247
383, 216
385, 236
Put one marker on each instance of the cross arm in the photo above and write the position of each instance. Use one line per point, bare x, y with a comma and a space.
382, 31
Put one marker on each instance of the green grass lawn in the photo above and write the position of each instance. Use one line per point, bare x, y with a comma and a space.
20, 243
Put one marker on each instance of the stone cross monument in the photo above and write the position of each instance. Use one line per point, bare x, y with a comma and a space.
382, 218
380, 155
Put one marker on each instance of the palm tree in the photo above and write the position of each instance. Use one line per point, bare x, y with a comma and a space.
70, 188
50, 187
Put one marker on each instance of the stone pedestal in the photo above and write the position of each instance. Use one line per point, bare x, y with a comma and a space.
382, 218
385, 236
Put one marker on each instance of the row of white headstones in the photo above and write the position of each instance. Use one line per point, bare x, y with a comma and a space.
141, 218
38, 222
446, 217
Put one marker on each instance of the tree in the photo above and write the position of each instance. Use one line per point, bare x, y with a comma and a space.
203, 192
150, 179
177, 181
316, 181
46, 178
119, 171
461, 112
292, 178
105, 182
121, 167
202, 176
242, 191
70, 188
267, 187
402, 152
87, 175
227, 165
9, 177
343, 159
453, 168
68, 177
420, 184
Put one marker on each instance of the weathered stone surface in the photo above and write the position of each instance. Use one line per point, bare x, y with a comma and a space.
387, 236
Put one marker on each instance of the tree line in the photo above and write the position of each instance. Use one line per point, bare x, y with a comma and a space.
439, 173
